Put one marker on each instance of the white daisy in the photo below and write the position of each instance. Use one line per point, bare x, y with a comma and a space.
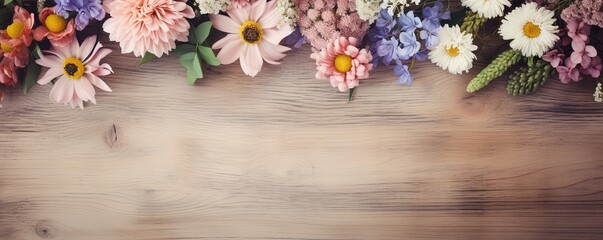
368, 10
454, 52
396, 7
487, 8
531, 29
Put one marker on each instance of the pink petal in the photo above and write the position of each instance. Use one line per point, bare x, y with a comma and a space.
576, 58
239, 15
252, 62
228, 38
86, 47
257, 10
224, 23
590, 51
84, 89
271, 52
275, 35
52, 73
270, 20
231, 52
94, 60
99, 83
578, 45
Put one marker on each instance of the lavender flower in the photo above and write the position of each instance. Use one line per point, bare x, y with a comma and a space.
404, 76
387, 50
429, 33
85, 9
410, 45
435, 14
295, 39
408, 22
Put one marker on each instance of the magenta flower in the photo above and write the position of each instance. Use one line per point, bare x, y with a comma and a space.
568, 72
578, 30
554, 57
582, 53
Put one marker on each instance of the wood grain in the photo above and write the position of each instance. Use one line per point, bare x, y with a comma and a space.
283, 156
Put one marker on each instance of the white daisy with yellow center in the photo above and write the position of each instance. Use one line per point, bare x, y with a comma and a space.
455, 50
531, 29
487, 8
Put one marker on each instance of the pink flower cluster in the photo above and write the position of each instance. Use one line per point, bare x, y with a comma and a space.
589, 11
579, 61
322, 20
14, 52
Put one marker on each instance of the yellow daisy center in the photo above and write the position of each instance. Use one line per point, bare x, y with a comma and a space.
6, 47
453, 51
343, 63
55, 23
14, 30
74, 68
251, 32
531, 30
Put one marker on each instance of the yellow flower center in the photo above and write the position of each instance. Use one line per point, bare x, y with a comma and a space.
251, 32
74, 68
6, 47
55, 23
343, 63
531, 30
453, 51
14, 30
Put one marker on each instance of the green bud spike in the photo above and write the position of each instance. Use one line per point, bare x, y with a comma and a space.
495, 69
472, 22
528, 79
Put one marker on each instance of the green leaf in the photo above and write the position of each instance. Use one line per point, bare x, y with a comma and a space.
202, 31
191, 36
191, 62
32, 72
207, 55
351, 94
182, 49
6, 16
147, 58
6, 2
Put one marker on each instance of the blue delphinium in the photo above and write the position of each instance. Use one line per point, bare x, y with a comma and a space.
435, 14
403, 73
387, 50
85, 10
408, 22
429, 33
409, 47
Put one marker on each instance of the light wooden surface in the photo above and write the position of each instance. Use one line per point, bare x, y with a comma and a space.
282, 156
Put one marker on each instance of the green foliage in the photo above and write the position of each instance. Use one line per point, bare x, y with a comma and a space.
32, 72
351, 94
194, 53
6, 2
529, 78
6, 15
495, 69
472, 22
147, 58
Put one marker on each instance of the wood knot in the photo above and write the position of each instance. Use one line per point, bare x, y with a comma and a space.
111, 136
471, 105
44, 229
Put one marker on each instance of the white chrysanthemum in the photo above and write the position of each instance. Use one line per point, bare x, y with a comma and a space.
213, 6
454, 52
287, 9
368, 10
395, 7
531, 29
487, 8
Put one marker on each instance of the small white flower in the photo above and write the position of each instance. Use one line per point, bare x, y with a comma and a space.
368, 10
287, 9
531, 29
455, 50
487, 8
396, 7
213, 6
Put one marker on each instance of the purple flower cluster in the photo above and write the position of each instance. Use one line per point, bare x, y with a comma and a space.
574, 57
396, 40
85, 10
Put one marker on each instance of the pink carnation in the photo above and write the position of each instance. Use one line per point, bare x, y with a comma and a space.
322, 20
153, 26
343, 63
59, 39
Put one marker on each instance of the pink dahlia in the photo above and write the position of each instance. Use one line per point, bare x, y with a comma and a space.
77, 69
252, 36
153, 26
343, 63
57, 29
15, 39
8, 72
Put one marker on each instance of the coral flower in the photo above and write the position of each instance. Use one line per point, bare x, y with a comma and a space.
343, 63
57, 29
153, 26
77, 69
17, 37
252, 37
8, 72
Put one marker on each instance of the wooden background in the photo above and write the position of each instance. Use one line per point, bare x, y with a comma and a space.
283, 156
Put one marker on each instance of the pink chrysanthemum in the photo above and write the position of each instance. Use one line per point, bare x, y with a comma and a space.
253, 36
15, 39
153, 26
322, 20
8, 72
58, 30
77, 69
343, 63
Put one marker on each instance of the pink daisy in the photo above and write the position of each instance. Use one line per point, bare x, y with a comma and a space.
153, 26
77, 69
57, 29
252, 37
343, 63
